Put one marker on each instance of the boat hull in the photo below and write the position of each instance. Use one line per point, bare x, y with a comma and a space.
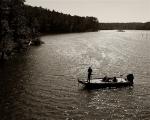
105, 84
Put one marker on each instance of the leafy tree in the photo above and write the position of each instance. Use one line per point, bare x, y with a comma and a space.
5, 31
6, 44
19, 24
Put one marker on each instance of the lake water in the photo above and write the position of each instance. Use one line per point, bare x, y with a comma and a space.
42, 83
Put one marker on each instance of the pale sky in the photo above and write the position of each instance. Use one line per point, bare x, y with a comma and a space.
104, 10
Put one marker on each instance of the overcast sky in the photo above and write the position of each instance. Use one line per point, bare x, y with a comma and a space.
104, 10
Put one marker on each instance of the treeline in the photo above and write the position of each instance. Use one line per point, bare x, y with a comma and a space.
55, 22
124, 26
15, 33
21, 25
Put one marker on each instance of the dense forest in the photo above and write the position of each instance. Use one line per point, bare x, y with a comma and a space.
55, 22
125, 26
21, 25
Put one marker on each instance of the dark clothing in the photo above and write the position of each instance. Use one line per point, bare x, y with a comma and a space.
105, 79
114, 79
89, 74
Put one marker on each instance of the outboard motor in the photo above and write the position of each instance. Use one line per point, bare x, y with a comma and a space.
130, 78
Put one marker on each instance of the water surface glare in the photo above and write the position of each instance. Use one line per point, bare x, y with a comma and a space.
42, 84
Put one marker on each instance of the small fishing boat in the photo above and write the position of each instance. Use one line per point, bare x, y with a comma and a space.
120, 30
114, 82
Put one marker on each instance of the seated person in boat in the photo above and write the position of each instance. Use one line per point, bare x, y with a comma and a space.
105, 79
89, 73
114, 79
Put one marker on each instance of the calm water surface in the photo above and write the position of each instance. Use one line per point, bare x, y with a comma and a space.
42, 84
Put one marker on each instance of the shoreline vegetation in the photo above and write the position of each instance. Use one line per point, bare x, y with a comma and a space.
22, 25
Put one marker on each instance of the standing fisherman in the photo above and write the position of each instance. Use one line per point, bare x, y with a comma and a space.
89, 74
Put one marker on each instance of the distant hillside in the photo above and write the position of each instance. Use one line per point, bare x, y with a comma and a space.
124, 26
